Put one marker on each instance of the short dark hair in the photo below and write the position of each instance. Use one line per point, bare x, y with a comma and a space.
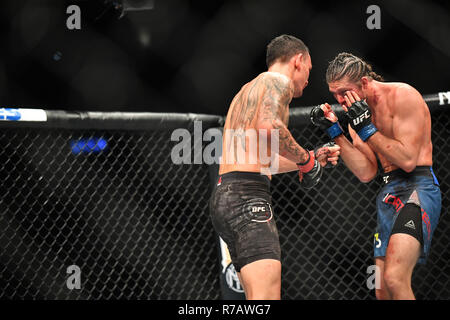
348, 65
283, 47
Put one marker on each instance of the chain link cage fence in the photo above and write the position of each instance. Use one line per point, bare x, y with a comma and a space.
100, 192
109, 201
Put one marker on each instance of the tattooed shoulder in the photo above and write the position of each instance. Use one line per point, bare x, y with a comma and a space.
245, 104
270, 90
278, 94
279, 85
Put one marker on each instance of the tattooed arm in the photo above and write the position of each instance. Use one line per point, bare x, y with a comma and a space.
274, 113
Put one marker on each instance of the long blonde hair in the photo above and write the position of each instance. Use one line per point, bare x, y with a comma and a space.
347, 64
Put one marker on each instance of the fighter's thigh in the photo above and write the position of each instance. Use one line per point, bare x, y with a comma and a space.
406, 239
402, 254
262, 279
241, 282
381, 290
256, 236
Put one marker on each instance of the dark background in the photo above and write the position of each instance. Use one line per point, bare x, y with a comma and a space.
193, 56
136, 224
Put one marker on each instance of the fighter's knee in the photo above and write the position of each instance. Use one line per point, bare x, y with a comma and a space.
395, 279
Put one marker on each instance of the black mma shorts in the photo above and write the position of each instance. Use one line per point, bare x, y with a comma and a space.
242, 215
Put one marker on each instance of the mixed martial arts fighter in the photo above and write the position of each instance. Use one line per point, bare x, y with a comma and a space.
240, 205
390, 121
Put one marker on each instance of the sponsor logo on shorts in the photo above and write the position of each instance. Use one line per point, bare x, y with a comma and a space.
426, 220
265, 217
410, 224
262, 214
395, 201
376, 240
259, 210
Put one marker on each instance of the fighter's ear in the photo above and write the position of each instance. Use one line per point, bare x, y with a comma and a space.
364, 82
298, 60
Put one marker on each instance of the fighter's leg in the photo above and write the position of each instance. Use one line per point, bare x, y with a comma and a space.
258, 252
403, 251
402, 254
261, 279
382, 293
241, 282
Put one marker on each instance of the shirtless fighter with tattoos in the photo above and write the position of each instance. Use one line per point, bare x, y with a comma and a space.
390, 121
240, 205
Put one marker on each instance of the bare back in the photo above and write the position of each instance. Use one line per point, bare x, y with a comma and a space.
241, 137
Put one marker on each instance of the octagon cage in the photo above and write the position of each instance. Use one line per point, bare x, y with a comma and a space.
95, 207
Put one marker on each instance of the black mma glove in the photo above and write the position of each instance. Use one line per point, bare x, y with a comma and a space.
309, 172
333, 129
360, 119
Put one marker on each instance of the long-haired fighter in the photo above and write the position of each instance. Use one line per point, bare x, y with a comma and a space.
390, 121
240, 205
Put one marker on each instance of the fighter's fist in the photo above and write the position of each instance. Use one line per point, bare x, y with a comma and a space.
324, 117
328, 154
310, 171
359, 115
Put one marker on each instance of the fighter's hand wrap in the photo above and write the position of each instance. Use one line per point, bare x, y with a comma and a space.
333, 129
360, 119
310, 171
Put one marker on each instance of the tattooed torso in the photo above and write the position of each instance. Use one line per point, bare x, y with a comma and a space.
263, 100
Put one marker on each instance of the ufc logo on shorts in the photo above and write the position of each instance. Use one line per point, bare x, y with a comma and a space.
258, 209
358, 120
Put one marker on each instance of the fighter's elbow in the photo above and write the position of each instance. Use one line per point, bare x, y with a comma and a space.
367, 175
409, 165
366, 178
266, 125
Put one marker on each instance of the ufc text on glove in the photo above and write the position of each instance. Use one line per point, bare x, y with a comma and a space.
361, 120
